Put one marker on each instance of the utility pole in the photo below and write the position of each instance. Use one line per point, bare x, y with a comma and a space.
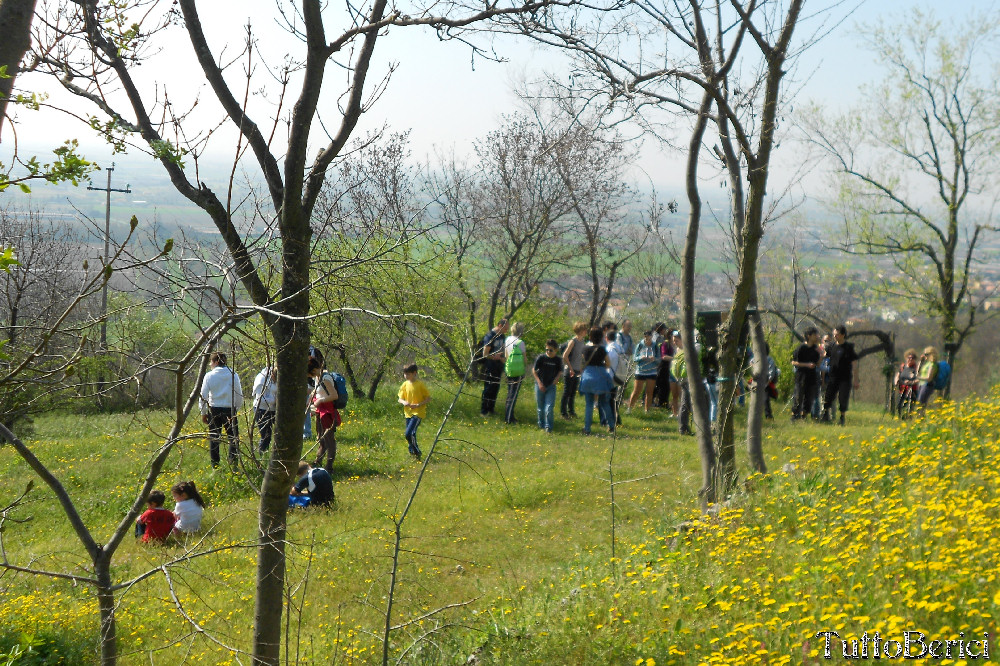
107, 251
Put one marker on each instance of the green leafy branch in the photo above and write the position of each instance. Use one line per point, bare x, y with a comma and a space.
68, 165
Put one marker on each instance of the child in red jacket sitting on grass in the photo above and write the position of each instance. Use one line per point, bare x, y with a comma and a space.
155, 524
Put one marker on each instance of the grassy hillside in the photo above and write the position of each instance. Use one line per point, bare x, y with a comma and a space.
508, 547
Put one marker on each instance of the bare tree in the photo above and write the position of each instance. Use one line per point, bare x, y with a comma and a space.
917, 165
371, 234
592, 169
737, 54
38, 289
505, 220
98, 61
37, 364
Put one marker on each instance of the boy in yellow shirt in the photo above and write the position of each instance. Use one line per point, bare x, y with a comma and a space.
413, 396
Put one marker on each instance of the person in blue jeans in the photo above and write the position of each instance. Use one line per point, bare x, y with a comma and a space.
595, 382
547, 368
307, 428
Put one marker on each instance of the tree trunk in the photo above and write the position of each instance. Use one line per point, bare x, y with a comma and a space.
380, 373
349, 371
755, 415
106, 605
699, 400
748, 243
15, 26
442, 344
291, 339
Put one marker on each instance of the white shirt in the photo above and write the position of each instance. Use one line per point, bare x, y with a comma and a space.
188, 514
265, 391
221, 388
614, 358
508, 347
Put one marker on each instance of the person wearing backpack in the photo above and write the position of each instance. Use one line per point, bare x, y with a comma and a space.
573, 367
324, 406
492, 355
515, 354
927, 375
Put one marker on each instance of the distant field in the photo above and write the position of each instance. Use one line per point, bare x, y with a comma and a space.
516, 526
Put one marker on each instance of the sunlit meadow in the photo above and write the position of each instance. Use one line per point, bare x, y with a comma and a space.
874, 527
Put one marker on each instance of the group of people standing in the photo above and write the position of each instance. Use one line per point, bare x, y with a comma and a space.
585, 364
830, 368
827, 371
222, 398
596, 362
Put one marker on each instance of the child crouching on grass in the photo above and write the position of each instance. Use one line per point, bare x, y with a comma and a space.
155, 524
413, 396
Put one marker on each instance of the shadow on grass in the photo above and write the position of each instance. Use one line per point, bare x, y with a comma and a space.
356, 470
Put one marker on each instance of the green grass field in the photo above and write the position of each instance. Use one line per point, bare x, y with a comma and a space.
507, 553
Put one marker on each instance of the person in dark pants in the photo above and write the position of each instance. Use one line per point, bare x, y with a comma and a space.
662, 393
221, 398
514, 347
678, 369
573, 364
315, 482
493, 355
843, 374
618, 366
805, 360
265, 402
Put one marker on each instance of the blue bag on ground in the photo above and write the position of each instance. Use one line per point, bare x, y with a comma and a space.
301, 501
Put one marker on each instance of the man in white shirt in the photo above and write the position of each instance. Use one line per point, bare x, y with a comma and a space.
624, 338
265, 403
617, 358
221, 398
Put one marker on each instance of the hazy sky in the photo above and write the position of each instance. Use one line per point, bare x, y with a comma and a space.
436, 92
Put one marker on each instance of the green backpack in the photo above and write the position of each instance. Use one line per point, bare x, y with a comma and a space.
514, 366
678, 367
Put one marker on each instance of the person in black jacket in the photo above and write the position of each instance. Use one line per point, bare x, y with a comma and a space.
843, 374
805, 360
493, 358
315, 482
